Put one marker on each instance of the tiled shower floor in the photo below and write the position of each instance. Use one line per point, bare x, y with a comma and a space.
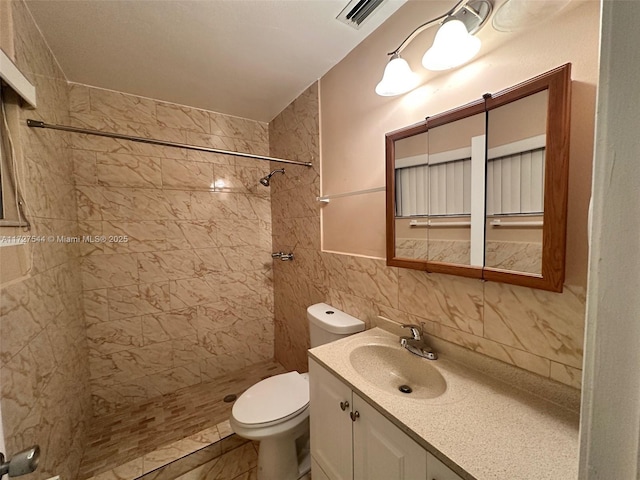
132, 432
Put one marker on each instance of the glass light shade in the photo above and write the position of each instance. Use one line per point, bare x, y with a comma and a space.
397, 78
520, 14
452, 47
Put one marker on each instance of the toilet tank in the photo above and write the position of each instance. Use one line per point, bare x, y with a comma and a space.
327, 324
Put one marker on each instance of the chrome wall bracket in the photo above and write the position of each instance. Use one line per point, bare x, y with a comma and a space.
285, 257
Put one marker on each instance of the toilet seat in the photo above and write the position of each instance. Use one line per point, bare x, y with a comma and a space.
272, 400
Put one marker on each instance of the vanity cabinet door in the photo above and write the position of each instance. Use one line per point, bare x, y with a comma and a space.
331, 436
381, 451
438, 470
317, 472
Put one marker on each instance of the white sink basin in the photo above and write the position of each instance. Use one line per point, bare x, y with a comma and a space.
395, 370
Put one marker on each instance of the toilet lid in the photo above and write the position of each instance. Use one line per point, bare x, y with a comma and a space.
271, 399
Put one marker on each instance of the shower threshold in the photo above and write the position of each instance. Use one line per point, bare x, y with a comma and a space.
186, 426
215, 448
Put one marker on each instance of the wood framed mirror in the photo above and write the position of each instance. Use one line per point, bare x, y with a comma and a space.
481, 190
429, 177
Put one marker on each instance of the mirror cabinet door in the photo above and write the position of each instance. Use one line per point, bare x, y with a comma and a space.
515, 184
527, 181
434, 169
453, 164
412, 197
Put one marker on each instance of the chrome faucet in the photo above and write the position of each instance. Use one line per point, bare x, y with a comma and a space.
415, 343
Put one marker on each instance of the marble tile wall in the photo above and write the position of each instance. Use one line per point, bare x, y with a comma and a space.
535, 330
453, 251
181, 290
294, 134
515, 256
43, 350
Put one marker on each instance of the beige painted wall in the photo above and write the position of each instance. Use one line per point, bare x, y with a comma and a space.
524, 118
411, 146
515, 121
355, 119
458, 134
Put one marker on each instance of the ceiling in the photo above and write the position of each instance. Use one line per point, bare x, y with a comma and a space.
248, 58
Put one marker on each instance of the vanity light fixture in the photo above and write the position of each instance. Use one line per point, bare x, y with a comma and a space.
397, 78
453, 46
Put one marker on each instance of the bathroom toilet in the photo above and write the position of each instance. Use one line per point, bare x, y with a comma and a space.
275, 411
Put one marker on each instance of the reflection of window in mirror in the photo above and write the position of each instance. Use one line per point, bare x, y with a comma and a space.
453, 163
412, 196
11, 214
515, 184
434, 174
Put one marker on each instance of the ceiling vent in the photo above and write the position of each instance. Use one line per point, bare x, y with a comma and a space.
357, 11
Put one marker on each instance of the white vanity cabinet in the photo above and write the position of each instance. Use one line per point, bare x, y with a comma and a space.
381, 451
331, 425
350, 440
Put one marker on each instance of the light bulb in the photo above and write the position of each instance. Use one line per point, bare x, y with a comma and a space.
452, 47
397, 78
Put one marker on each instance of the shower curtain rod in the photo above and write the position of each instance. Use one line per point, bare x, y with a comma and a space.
39, 124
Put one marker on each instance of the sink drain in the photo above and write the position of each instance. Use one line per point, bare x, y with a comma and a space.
405, 389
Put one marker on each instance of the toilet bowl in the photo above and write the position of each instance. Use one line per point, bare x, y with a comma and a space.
275, 411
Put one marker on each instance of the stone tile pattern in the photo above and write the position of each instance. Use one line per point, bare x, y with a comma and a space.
189, 296
215, 453
140, 438
45, 391
294, 134
221, 460
453, 251
238, 464
535, 330
514, 256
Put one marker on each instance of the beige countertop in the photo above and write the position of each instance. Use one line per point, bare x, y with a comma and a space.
480, 427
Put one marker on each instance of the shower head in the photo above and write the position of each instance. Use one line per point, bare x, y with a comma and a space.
265, 180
